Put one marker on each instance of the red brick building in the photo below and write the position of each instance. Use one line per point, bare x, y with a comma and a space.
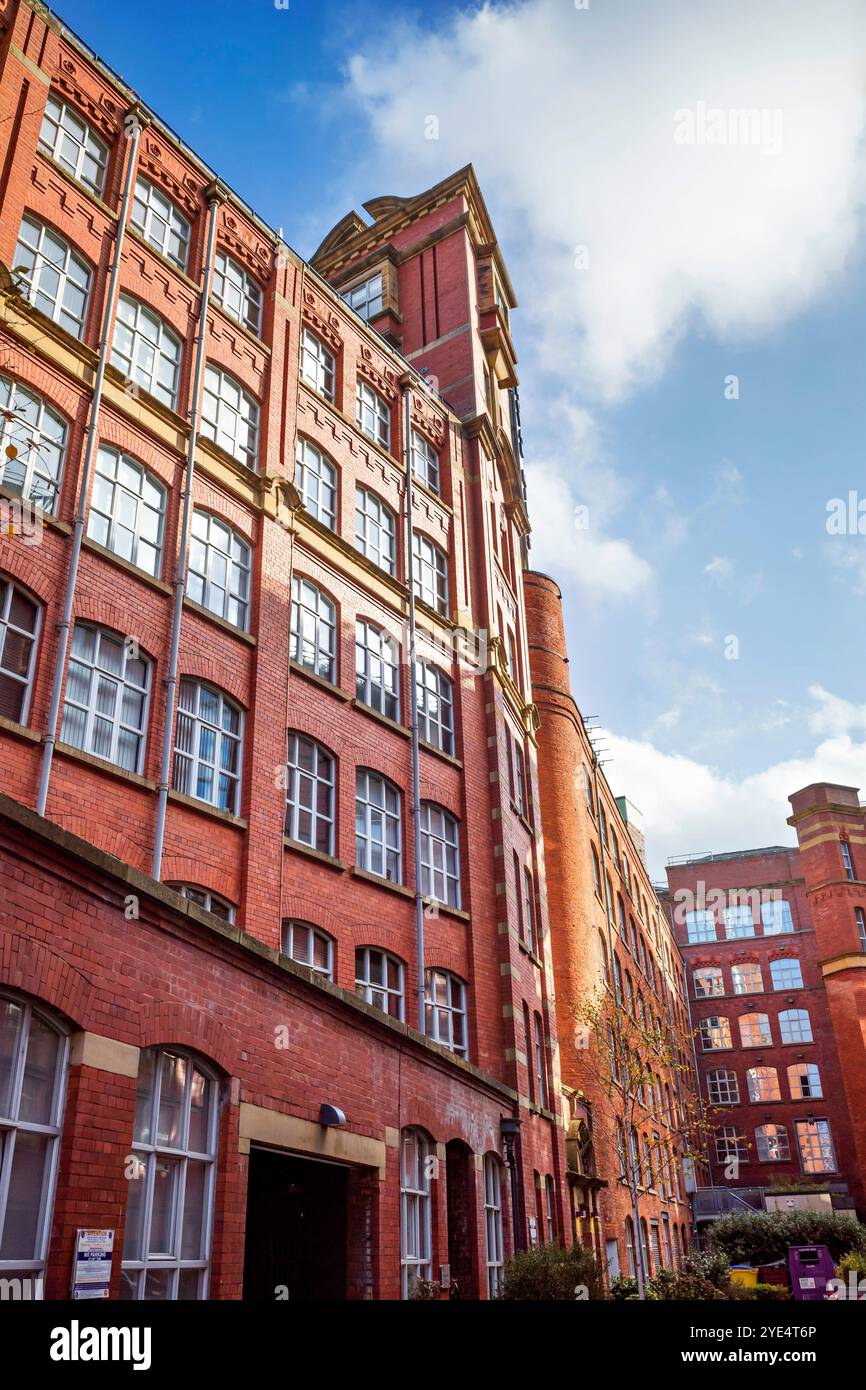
276, 998
612, 941
772, 950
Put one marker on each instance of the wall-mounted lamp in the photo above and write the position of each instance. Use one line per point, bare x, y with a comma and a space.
331, 1115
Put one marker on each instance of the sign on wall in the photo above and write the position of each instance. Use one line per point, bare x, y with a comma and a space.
91, 1265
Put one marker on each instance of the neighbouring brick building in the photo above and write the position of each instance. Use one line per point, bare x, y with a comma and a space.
276, 997
774, 943
611, 939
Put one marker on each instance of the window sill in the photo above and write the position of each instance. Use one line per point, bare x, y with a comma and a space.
445, 910
126, 565
77, 183
440, 753
536, 961
103, 765
181, 799
381, 882
327, 859
521, 816
46, 518
222, 623
9, 726
320, 681
443, 618
230, 319
151, 403
381, 718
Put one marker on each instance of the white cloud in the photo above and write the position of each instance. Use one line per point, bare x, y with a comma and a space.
719, 567
569, 116
690, 807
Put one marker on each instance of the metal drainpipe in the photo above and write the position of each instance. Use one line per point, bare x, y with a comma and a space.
214, 201
413, 706
133, 122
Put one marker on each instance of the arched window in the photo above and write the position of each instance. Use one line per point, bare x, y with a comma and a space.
211, 902
786, 973
377, 669
430, 572
54, 278
763, 1083
605, 965
166, 1247
318, 367
107, 687
316, 481
550, 1207
208, 746
440, 855
708, 980
310, 782
644, 1246
32, 445
617, 979
20, 617
772, 1142
378, 830
425, 462
309, 945
373, 414
230, 415
677, 1255
237, 292
445, 1010
776, 917
33, 1065
540, 1061
715, 1031
69, 140
587, 790
596, 872
629, 1248
417, 1162
375, 530
313, 642
127, 510
795, 1025
495, 1245
747, 978
157, 219
146, 350
755, 1030
435, 707
804, 1081
218, 576
379, 980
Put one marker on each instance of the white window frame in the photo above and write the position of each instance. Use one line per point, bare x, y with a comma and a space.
440, 855
377, 669
313, 638
224, 419
731, 1145
378, 825
715, 1026
762, 1084
435, 701
125, 496
755, 1030
162, 227
8, 589
40, 272
493, 1226
375, 530
700, 926
74, 150
795, 1026
318, 365
100, 677
847, 861
235, 290
373, 414
290, 947
425, 463
316, 481
30, 439
205, 898
776, 917
445, 1010
143, 345
712, 974
417, 1161
813, 1078
723, 1087
218, 552
12, 1125
366, 297
815, 1129
380, 994
739, 922
786, 973
747, 977
150, 1153
430, 572
772, 1147
192, 760
303, 792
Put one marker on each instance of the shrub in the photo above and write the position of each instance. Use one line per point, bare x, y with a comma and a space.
761, 1237
423, 1289
682, 1284
549, 1272
853, 1262
709, 1265
769, 1293
622, 1288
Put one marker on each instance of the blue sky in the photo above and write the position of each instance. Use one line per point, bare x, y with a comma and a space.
648, 271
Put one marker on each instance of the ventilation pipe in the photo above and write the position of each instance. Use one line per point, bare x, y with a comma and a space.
133, 124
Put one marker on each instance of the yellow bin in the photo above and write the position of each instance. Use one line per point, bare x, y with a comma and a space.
744, 1275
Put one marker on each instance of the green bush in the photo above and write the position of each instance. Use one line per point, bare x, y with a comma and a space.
623, 1288
709, 1265
769, 1293
761, 1237
551, 1273
853, 1261
682, 1284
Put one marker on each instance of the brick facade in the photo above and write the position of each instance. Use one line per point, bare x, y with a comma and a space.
176, 977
